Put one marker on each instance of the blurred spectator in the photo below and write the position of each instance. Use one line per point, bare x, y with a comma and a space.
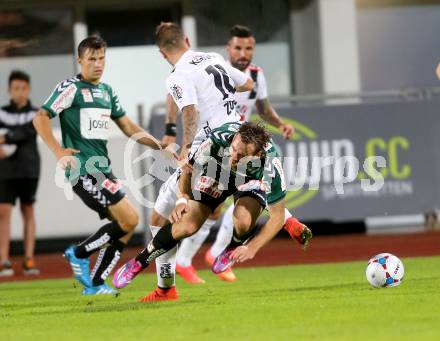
19, 170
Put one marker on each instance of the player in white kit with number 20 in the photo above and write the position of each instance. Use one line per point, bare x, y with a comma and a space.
202, 86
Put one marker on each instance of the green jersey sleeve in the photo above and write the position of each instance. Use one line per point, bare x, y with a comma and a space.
117, 110
61, 98
204, 153
273, 177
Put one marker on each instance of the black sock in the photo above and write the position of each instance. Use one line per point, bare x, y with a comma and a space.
107, 259
161, 243
105, 235
237, 241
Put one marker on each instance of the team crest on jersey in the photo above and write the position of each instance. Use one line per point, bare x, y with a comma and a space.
87, 95
177, 92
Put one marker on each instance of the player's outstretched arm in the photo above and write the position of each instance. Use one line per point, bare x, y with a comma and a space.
273, 225
43, 127
132, 130
268, 114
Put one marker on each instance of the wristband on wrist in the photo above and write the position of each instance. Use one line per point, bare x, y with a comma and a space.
170, 129
182, 201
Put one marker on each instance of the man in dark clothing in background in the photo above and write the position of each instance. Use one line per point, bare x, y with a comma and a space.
19, 170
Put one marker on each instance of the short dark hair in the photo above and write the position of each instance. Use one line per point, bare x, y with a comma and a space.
240, 31
93, 43
256, 133
18, 75
169, 36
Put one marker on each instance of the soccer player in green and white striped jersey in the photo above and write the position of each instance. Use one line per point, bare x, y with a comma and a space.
85, 107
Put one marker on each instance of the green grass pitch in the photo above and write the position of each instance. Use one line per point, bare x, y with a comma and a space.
324, 302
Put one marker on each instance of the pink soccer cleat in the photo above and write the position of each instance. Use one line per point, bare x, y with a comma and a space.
227, 276
126, 273
223, 261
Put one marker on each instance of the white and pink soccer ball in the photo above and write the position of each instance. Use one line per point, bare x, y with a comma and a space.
384, 270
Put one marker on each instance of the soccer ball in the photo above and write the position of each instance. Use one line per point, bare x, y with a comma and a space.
384, 270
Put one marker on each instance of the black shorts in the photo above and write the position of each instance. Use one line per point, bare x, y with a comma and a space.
21, 188
99, 195
206, 191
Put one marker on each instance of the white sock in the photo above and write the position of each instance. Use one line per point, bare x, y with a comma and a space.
287, 215
165, 265
189, 246
224, 234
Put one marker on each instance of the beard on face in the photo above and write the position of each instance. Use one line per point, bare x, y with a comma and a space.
241, 63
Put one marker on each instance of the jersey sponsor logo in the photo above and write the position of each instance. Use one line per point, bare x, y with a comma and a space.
111, 186
209, 186
199, 58
87, 96
64, 99
97, 93
177, 92
95, 123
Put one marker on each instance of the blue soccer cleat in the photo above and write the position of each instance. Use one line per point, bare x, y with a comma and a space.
102, 289
80, 267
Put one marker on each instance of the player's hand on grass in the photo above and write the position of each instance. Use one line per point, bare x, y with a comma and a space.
181, 208
242, 253
66, 159
287, 130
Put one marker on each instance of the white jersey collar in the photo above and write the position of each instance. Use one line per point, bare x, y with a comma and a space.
184, 57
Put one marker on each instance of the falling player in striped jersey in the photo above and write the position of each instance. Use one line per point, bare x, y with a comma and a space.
240, 49
202, 85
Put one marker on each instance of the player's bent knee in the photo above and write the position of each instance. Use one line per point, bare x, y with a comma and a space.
184, 231
129, 222
242, 226
125, 239
157, 220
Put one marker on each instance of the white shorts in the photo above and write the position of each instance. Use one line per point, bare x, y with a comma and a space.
167, 197
166, 200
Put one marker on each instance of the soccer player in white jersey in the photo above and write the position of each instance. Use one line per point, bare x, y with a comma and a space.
202, 85
240, 49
